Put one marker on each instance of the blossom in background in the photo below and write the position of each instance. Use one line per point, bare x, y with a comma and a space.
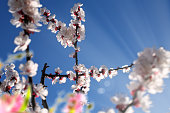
142, 100
75, 103
30, 68
10, 104
151, 67
121, 101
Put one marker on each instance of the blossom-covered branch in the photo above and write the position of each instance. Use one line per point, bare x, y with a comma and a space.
147, 76
84, 75
27, 16
44, 102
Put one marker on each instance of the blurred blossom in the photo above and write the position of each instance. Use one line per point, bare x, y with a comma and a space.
10, 104
75, 103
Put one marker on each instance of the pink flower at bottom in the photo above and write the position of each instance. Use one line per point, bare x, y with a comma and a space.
75, 103
10, 104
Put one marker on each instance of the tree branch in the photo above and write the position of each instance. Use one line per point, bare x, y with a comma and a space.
44, 102
76, 55
28, 57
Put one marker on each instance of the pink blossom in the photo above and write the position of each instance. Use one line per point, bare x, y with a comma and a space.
10, 104
75, 103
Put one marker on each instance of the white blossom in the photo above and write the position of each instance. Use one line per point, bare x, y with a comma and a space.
93, 71
62, 80
20, 88
55, 80
143, 101
41, 91
71, 75
151, 68
76, 11
12, 76
30, 68
66, 36
58, 70
120, 99
22, 42
80, 68
112, 72
126, 69
104, 70
25, 12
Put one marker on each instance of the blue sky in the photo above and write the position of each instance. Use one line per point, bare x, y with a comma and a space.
115, 31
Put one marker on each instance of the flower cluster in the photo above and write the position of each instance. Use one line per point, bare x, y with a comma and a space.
27, 16
41, 91
67, 36
103, 72
150, 69
30, 68
78, 15
83, 80
22, 41
84, 74
21, 87
12, 78
122, 102
10, 104
25, 13
147, 76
